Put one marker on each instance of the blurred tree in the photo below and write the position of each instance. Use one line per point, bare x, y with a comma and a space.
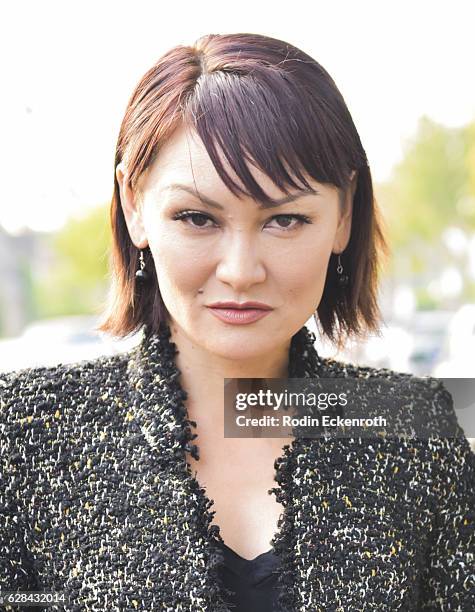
432, 188
77, 280
469, 203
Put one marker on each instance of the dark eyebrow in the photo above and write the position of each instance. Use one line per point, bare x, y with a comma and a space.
213, 204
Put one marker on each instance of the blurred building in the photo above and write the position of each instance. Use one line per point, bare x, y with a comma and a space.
22, 258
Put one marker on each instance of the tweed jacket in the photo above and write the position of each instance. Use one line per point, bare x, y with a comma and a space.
98, 500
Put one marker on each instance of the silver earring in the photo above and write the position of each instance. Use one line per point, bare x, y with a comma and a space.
343, 279
142, 274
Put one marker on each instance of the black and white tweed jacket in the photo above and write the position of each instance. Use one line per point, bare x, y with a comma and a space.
97, 498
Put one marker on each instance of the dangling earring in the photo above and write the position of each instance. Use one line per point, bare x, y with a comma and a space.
142, 274
343, 279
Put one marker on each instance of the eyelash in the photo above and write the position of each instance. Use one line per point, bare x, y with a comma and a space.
185, 214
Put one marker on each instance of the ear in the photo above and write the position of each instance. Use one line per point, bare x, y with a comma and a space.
131, 208
343, 232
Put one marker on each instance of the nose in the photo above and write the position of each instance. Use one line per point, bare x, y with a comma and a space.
241, 264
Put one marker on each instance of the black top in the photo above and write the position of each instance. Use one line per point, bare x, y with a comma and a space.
253, 580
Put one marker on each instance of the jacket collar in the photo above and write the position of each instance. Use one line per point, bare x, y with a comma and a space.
157, 408
159, 396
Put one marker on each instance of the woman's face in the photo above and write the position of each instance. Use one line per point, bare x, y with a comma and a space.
232, 250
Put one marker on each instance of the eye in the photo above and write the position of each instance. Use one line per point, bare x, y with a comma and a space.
185, 215
301, 219
199, 220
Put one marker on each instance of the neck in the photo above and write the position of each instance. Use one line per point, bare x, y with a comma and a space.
203, 372
158, 359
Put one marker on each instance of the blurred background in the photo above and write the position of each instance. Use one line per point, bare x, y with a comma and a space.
404, 70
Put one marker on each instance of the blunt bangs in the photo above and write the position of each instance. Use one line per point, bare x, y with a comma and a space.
266, 118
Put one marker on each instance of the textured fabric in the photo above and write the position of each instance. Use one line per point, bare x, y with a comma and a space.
98, 499
254, 581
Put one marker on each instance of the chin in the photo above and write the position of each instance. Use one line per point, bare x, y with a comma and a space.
239, 344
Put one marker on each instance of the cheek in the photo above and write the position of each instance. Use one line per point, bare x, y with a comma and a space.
304, 269
179, 269
305, 283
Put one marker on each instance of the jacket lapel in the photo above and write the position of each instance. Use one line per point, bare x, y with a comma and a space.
186, 563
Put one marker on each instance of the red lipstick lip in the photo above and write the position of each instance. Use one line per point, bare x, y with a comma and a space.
243, 305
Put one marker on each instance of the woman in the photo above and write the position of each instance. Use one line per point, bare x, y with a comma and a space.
243, 205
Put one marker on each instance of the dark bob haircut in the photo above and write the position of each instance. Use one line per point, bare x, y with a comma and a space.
261, 99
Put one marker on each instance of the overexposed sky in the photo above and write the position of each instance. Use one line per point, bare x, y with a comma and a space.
68, 70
